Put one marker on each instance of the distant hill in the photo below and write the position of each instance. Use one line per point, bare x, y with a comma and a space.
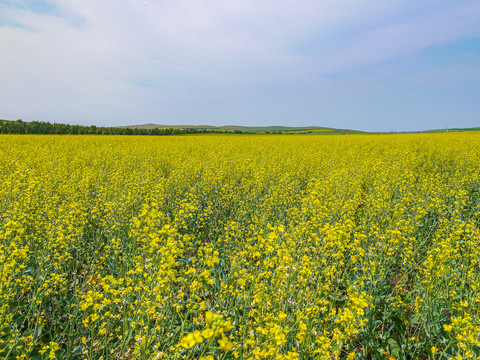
433, 131
454, 130
249, 129
40, 127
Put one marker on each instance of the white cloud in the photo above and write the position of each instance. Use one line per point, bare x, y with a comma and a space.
119, 59
408, 36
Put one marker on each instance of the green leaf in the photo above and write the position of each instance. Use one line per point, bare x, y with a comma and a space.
394, 348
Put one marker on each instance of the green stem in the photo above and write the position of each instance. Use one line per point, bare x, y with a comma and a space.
443, 352
206, 347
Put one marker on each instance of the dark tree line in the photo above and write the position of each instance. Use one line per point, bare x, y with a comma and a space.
40, 127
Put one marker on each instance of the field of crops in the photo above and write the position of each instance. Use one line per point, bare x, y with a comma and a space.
240, 246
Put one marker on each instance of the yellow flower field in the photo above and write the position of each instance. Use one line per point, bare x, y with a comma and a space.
240, 246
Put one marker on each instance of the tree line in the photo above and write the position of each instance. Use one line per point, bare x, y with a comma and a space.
40, 127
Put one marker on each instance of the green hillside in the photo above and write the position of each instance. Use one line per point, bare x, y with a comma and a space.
250, 129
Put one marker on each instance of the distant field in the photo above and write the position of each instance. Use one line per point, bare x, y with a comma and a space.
240, 247
250, 129
455, 130
46, 128
288, 129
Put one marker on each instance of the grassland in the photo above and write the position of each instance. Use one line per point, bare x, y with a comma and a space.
249, 247
252, 129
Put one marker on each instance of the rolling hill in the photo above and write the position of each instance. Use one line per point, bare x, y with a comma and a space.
250, 129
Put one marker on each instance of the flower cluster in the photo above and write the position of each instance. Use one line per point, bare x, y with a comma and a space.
252, 247
215, 328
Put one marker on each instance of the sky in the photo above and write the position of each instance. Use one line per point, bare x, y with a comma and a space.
366, 65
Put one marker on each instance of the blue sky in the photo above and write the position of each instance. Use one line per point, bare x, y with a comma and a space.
366, 65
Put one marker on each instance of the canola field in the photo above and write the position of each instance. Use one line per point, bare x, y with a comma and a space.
276, 247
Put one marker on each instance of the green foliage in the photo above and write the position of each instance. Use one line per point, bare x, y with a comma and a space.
40, 127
